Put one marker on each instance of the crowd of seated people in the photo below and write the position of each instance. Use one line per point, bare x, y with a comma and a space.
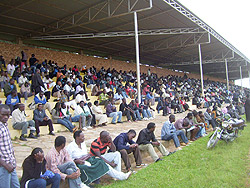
111, 89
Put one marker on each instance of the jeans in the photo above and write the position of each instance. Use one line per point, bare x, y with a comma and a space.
114, 115
69, 168
137, 114
42, 183
146, 113
66, 123
174, 136
24, 126
8, 180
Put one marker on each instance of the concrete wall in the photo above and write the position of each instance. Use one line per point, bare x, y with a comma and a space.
9, 51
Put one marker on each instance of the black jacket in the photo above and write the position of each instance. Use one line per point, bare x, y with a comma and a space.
31, 170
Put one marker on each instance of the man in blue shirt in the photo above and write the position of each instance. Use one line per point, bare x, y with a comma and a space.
125, 145
169, 132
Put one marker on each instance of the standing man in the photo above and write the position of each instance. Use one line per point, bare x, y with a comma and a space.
147, 141
125, 145
8, 176
168, 132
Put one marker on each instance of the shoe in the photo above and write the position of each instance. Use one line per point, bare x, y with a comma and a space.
150, 118
119, 122
145, 119
179, 148
104, 124
129, 121
159, 159
10, 117
32, 136
113, 123
37, 135
170, 153
141, 165
84, 128
89, 127
183, 144
51, 133
128, 174
84, 186
22, 138
74, 129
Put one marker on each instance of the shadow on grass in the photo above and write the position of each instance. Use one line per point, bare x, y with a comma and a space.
195, 166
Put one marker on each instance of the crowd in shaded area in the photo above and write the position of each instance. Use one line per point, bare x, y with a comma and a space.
109, 91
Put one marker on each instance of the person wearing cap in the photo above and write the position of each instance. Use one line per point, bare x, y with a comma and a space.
19, 122
41, 119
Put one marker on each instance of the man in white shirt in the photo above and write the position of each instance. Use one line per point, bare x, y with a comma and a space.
118, 97
11, 67
102, 118
19, 122
68, 87
22, 79
80, 97
83, 110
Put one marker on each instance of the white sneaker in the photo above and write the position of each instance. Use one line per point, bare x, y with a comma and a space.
89, 127
10, 117
179, 148
128, 174
150, 118
84, 128
84, 186
145, 119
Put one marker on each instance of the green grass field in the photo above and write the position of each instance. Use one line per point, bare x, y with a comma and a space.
224, 166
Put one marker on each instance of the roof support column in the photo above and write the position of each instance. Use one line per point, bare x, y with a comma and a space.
201, 71
249, 77
227, 75
137, 58
241, 78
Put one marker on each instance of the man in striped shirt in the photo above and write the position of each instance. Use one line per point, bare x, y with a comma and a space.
99, 148
8, 176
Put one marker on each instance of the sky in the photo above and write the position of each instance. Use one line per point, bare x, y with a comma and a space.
230, 18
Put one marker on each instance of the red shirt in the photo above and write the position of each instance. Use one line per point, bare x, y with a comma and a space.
97, 145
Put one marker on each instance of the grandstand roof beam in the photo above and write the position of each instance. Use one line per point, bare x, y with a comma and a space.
178, 7
174, 31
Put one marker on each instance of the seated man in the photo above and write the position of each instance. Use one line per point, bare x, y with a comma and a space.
82, 110
111, 112
19, 122
12, 100
59, 161
102, 118
41, 99
92, 168
147, 141
33, 166
99, 147
168, 132
41, 119
118, 97
56, 91
76, 118
104, 98
189, 125
26, 91
125, 145
80, 97
9, 86
126, 110
209, 119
